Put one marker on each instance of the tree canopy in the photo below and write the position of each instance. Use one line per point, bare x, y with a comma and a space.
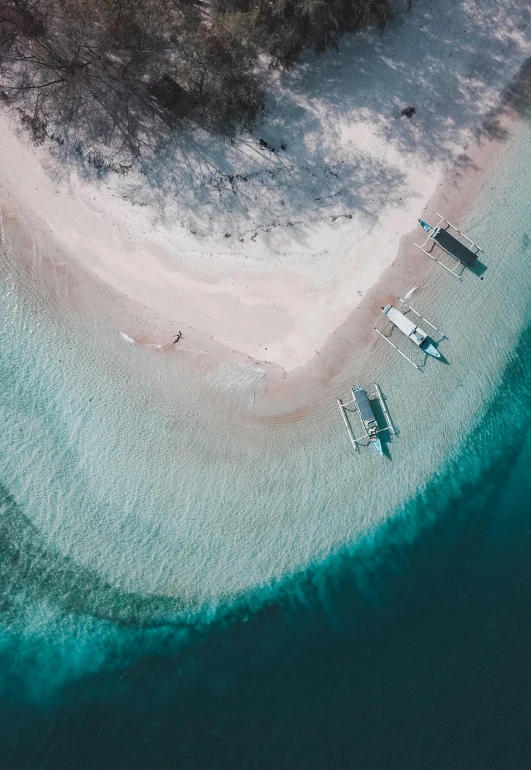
124, 74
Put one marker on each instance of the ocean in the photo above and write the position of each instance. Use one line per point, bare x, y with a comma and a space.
184, 591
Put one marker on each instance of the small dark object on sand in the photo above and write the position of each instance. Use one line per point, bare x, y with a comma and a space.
265, 145
408, 111
177, 338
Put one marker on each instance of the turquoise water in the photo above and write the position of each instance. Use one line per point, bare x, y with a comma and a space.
155, 553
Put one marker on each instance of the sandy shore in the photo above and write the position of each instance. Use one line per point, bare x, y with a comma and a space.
282, 259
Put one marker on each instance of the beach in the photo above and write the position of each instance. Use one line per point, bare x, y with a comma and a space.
197, 568
187, 534
196, 480
204, 467
278, 260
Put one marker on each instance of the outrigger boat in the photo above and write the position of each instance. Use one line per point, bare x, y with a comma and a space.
362, 403
411, 330
449, 243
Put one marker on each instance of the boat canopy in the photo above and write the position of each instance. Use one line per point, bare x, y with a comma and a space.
364, 406
454, 247
406, 326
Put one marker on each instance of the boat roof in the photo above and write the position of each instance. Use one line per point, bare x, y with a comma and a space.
364, 405
454, 247
406, 326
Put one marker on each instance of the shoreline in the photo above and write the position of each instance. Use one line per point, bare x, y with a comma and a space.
128, 463
288, 390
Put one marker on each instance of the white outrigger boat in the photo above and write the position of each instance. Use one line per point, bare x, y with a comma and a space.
362, 403
411, 330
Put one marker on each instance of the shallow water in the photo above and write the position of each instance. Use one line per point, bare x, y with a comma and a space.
129, 464
138, 521
410, 653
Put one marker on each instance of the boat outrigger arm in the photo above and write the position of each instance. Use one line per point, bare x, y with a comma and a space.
364, 410
449, 243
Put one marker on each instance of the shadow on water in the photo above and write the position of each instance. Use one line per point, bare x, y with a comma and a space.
442, 359
386, 436
479, 269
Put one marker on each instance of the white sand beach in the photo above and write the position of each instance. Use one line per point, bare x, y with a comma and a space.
265, 254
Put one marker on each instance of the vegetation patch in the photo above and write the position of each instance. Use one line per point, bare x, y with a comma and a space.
123, 75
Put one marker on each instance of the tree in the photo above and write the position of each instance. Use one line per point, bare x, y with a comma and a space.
218, 67
293, 26
124, 74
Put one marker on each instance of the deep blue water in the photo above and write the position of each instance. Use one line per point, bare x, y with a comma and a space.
412, 652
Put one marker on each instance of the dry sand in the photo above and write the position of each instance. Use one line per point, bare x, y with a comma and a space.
262, 255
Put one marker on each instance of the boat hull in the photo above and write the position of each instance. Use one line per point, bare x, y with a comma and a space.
377, 444
429, 229
431, 350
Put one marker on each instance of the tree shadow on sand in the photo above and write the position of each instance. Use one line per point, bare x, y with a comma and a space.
314, 162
